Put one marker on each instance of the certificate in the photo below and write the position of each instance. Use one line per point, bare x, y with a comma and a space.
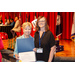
27, 56
25, 49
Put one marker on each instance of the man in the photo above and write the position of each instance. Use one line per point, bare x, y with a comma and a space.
12, 22
17, 27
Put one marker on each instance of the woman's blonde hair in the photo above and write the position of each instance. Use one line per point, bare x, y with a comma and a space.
26, 24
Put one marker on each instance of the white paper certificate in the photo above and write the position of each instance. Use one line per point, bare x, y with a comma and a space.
27, 56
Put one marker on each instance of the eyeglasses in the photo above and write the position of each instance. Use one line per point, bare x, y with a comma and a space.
41, 21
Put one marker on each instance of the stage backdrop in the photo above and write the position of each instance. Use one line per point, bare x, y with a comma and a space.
66, 20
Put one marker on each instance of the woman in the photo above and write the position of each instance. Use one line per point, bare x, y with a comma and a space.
44, 41
17, 27
5, 21
26, 30
8, 21
1, 47
0, 57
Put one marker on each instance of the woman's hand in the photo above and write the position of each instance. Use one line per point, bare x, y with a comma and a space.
35, 49
17, 57
52, 52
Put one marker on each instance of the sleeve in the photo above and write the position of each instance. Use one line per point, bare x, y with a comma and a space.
52, 40
16, 50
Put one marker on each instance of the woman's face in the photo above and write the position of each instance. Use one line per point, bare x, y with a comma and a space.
27, 30
8, 21
41, 22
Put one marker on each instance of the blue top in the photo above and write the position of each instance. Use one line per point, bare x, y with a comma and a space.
16, 50
12, 24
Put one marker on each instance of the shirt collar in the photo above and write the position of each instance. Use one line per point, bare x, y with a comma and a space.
24, 36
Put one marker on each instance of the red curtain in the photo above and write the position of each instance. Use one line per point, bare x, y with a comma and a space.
66, 20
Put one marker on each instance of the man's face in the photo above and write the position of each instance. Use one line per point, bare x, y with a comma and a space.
11, 20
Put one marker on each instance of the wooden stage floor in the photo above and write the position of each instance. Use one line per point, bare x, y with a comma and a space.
69, 48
